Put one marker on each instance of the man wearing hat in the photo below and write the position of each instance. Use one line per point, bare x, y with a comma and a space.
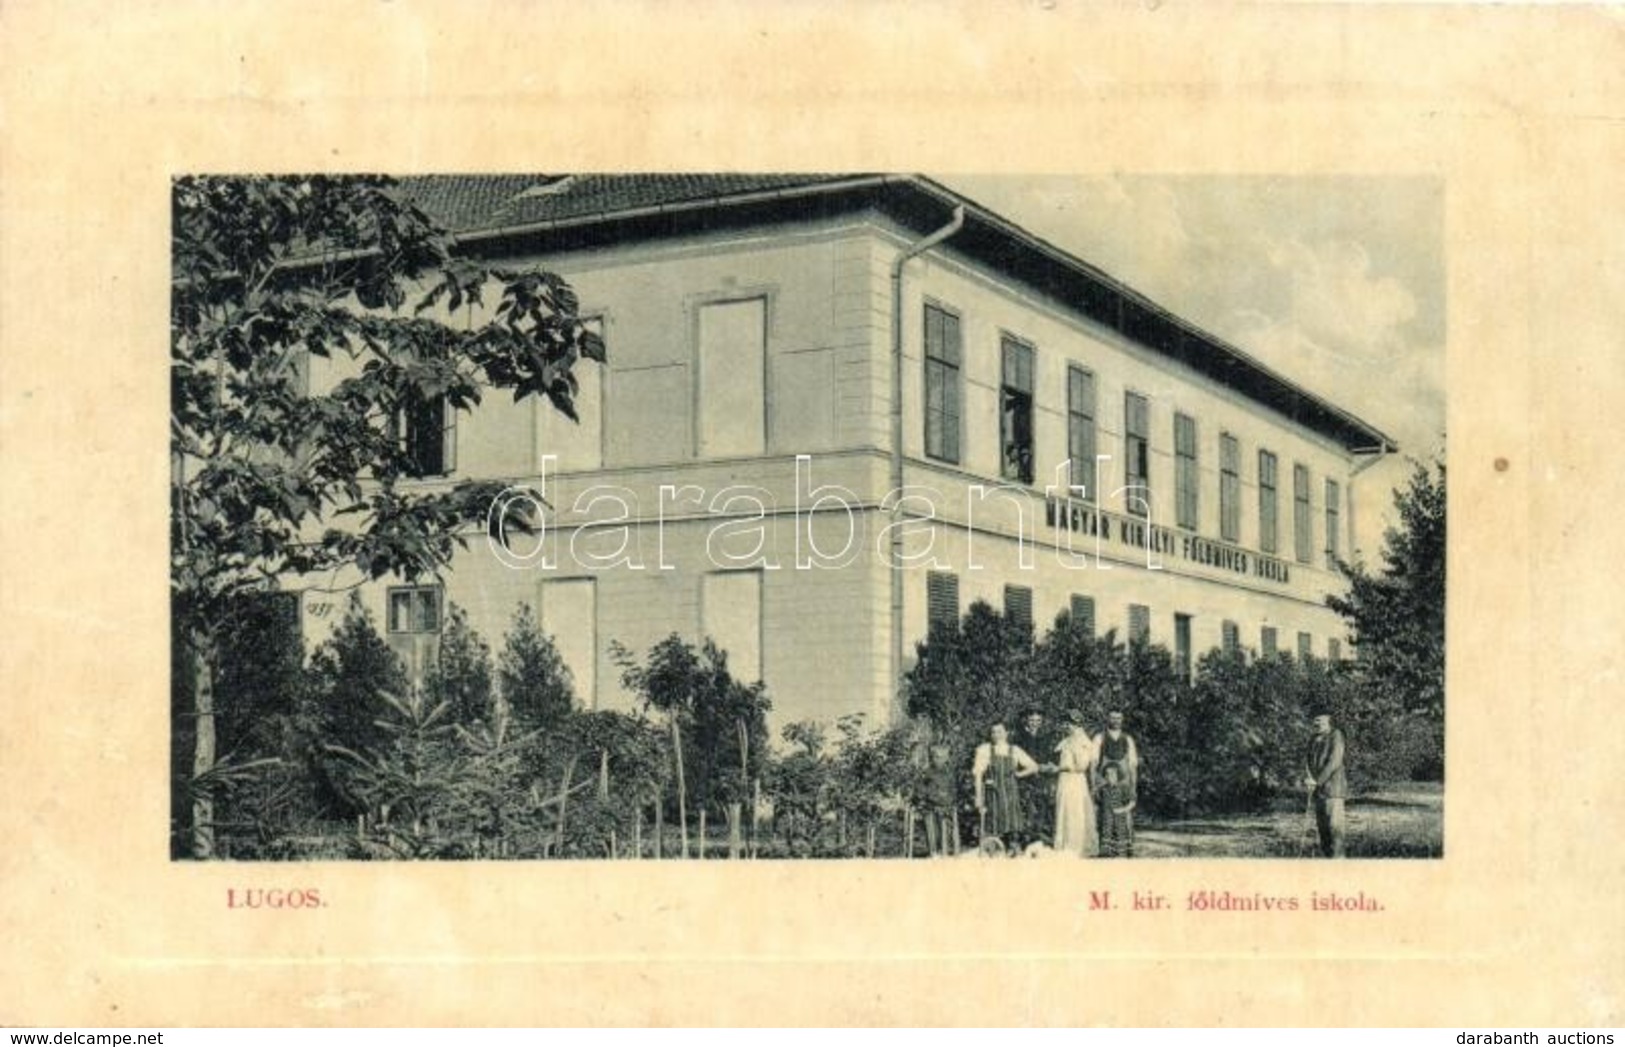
1327, 783
1117, 746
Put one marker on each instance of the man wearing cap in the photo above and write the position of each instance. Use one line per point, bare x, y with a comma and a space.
1326, 781
1117, 746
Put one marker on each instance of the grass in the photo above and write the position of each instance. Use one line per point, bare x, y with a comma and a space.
1401, 821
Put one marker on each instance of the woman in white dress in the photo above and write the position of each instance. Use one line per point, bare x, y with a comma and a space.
1074, 803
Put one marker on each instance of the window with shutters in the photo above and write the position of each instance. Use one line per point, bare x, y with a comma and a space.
1016, 411
943, 356
414, 609
1232, 637
1186, 483
1267, 535
1018, 605
941, 601
1306, 646
428, 432
1080, 431
1302, 539
1182, 644
1139, 623
1334, 500
1083, 613
1137, 454
1267, 641
1229, 488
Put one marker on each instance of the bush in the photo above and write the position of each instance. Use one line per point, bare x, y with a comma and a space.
535, 683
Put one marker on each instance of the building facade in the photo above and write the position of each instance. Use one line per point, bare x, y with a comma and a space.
1066, 445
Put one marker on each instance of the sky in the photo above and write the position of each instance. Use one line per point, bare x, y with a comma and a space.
1335, 282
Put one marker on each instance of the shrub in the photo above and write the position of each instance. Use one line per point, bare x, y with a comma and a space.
535, 682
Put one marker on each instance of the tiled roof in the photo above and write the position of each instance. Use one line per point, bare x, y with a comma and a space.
471, 203
484, 204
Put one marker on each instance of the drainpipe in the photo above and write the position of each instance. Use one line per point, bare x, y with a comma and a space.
1378, 453
920, 247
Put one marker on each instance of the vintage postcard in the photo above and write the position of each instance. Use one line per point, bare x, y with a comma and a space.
1089, 518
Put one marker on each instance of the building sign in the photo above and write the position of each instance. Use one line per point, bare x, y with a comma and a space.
1085, 519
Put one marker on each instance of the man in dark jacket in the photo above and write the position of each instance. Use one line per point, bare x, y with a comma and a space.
1327, 782
1038, 797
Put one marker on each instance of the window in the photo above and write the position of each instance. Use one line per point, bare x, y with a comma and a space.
731, 609
1334, 499
414, 609
941, 601
1016, 411
1185, 475
1229, 488
428, 430
1334, 649
1232, 637
569, 614
1137, 454
1182, 644
1018, 605
943, 353
1080, 429
1266, 502
1139, 623
732, 377
1302, 540
1306, 646
1083, 613
1267, 641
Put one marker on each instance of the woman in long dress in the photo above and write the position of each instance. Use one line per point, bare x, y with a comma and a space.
997, 766
1074, 797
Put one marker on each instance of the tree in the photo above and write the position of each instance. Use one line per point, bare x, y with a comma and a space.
268, 272
535, 682
718, 724
1396, 616
461, 673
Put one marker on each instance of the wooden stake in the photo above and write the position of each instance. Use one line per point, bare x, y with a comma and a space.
637, 832
682, 786
755, 808
564, 803
660, 827
736, 817
702, 834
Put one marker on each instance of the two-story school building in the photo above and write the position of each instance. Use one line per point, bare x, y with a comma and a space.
840, 408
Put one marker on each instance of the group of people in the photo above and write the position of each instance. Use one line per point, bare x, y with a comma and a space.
1088, 807
1084, 804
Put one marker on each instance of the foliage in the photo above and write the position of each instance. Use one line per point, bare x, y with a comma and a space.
1396, 616
971, 673
268, 273
461, 673
535, 682
722, 722
347, 673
